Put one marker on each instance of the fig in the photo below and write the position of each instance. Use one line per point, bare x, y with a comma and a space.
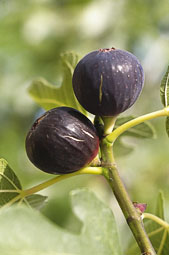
62, 141
107, 82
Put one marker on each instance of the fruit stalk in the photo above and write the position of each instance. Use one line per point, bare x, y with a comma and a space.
109, 123
130, 213
117, 132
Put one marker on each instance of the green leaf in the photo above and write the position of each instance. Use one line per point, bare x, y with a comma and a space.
160, 205
167, 125
36, 201
49, 96
121, 149
32, 233
143, 130
164, 89
164, 93
153, 227
155, 232
8, 182
10, 188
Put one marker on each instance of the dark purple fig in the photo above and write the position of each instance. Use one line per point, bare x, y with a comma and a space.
62, 141
106, 82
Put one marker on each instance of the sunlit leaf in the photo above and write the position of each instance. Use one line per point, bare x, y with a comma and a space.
9, 182
32, 233
49, 96
164, 89
10, 188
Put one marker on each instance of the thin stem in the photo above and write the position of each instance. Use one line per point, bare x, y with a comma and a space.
130, 213
162, 242
37, 188
86, 170
26, 202
118, 131
156, 219
20, 202
12, 201
10, 191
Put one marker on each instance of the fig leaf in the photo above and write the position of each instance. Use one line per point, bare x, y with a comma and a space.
164, 89
32, 233
50, 96
10, 187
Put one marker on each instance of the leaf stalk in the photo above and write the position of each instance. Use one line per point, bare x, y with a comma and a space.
37, 188
118, 131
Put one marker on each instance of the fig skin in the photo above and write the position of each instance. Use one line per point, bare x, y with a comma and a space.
107, 82
62, 141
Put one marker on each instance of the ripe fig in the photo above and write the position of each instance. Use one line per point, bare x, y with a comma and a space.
106, 82
62, 141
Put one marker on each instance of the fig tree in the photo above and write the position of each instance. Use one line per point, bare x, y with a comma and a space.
106, 82
62, 141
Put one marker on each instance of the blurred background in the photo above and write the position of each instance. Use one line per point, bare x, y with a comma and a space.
32, 36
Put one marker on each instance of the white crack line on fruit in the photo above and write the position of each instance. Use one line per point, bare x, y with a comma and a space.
87, 133
73, 138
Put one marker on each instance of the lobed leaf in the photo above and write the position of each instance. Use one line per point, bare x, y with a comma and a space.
164, 89
32, 233
49, 96
10, 188
9, 182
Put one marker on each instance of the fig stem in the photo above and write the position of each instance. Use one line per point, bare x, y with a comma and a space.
133, 218
156, 219
39, 187
109, 123
23, 193
117, 132
12, 201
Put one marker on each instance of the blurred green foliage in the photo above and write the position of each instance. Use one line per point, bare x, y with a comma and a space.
33, 35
